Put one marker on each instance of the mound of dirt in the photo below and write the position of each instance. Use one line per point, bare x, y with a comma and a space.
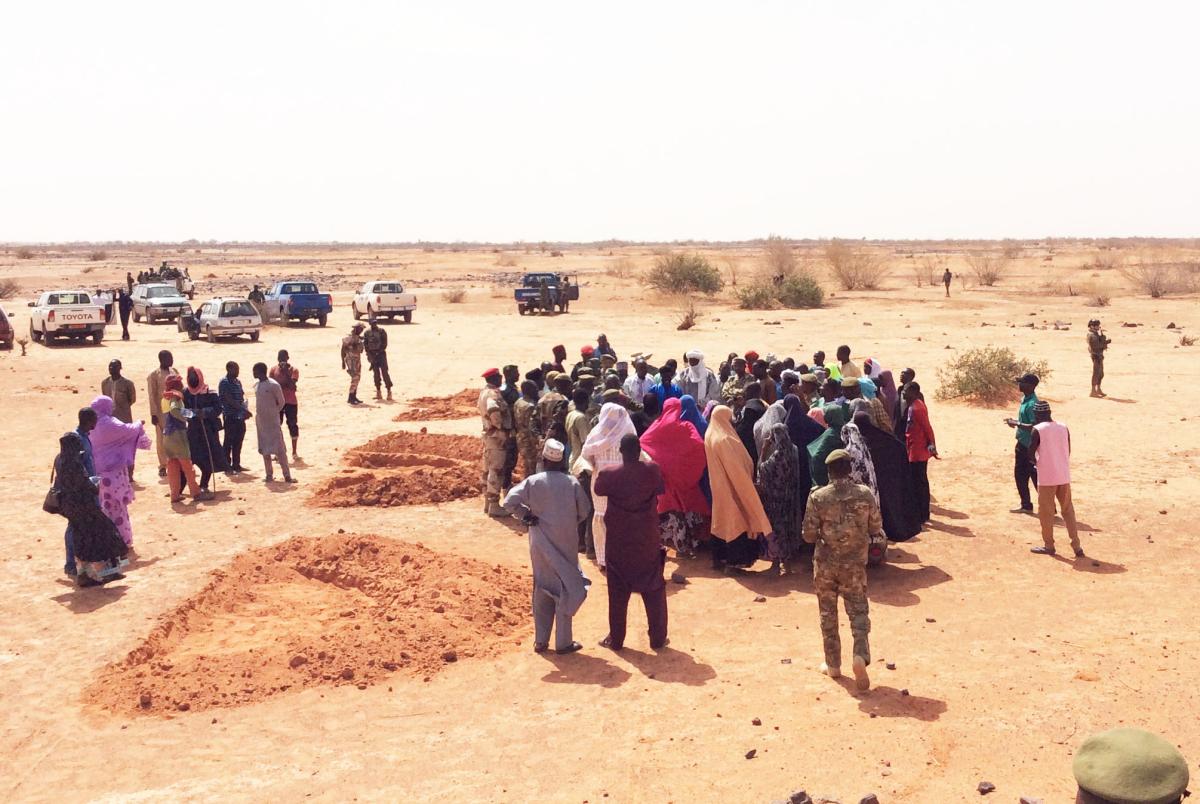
405, 468
317, 611
462, 405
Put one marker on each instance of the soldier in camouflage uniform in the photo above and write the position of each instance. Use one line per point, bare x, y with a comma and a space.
510, 392
375, 343
840, 519
497, 430
352, 349
528, 427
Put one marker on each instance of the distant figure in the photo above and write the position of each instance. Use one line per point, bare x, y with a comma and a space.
564, 296
544, 295
352, 349
129, 282
287, 376
124, 308
1050, 445
946, 278
1097, 343
269, 405
375, 343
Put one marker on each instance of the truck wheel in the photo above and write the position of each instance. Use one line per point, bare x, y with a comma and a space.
407, 316
97, 337
193, 334
322, 319
34, 335
254, 337
521, 309
354, 311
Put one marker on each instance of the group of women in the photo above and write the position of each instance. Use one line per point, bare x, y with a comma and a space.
93, 480
741, 483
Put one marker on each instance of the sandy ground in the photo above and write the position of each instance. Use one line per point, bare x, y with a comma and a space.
1004, 661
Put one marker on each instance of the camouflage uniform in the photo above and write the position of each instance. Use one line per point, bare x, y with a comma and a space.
497, 426
375, 343
352, 349
545, 413
525, 420
839, 519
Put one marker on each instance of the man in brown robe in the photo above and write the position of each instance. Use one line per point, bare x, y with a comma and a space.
635, 555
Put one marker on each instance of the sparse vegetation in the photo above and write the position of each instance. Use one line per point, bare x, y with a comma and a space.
1108, 260
1101, 299
688, 315
100, 255
1187, 340
985, 375
622, 268
684, 273
778, 259
506, 261
733, 267
988, 268
9, 288
24, 253
757, 296
454, 295
855, 268
929, 269
1152, 277
797, 291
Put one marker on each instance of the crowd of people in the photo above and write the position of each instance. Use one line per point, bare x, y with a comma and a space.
193, 428
625, 460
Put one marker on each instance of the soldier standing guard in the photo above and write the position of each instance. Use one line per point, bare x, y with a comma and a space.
492, 410
840, 519
352, 349
375, 343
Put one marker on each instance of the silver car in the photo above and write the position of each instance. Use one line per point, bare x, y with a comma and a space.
229, 317
158, 301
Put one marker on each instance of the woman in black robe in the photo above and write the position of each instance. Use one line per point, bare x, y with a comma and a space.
897, 499
204, 429
99, 550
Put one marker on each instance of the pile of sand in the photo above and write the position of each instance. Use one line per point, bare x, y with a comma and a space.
462, 405
405, 468
318, 611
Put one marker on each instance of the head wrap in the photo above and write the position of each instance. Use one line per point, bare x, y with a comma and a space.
751, 356
614, 422
691, 413
678, 450
200, 387
113, 441
173, 387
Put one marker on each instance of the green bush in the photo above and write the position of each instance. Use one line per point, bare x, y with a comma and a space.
986, 375
684, 273
800, 290
759, 296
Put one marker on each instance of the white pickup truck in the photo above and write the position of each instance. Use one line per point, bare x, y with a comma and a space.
383, 299
66, 314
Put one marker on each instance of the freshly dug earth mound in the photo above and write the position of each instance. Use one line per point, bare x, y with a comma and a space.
406, 469
462, 405
317, 611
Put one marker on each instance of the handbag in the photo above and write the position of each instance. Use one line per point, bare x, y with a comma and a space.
50, 504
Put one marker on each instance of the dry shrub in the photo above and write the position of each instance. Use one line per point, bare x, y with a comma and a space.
1152, 277
1187, 340
454, 295
684, 273
622, 268
1101, 299
9, 288
733, 266
778, 259
688, 315
1010, 249
985, 375
855, 268
988, 268
87, 269
797, 291
506, 261
100, 255
556, 253
1108, 260
930, 269
24, 253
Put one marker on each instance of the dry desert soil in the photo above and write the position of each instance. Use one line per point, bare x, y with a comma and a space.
267, 647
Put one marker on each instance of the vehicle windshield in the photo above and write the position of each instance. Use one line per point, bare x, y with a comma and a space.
232, 308
161, 293
536, 279
299, 287
69, 298
389, 287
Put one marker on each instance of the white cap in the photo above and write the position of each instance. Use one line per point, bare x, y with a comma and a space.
553, 450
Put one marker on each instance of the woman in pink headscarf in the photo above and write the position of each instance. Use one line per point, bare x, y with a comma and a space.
113, 446
683, 510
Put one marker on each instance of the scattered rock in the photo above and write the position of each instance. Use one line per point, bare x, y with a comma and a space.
449, 656
870, 798
799, 797
1171, 325
679, 579
1129, 324
341, 530
763, 599
1163, 511
985, 788
183, 707
1030, 800
756, 722
297, 660
144, 700
752, 753
930, 620
348, 673
785, 661
904, 693
439, 609
890, 665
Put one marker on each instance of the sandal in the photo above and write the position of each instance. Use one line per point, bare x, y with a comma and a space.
607, 643
574, 646
541, 647
1043, 551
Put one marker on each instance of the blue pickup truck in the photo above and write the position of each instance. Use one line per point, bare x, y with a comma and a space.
296, 300
559, 292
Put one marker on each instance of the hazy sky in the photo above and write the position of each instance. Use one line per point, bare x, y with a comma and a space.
261, 120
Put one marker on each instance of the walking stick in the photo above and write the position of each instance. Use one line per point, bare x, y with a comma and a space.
211, 462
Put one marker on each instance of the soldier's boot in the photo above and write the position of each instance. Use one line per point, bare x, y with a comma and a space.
350, 400
861, 680
833, 671
494, 508
389, 394
378, 394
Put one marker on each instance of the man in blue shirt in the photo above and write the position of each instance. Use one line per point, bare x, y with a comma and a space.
87, 423
233, 407
666, 388
1024, 470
